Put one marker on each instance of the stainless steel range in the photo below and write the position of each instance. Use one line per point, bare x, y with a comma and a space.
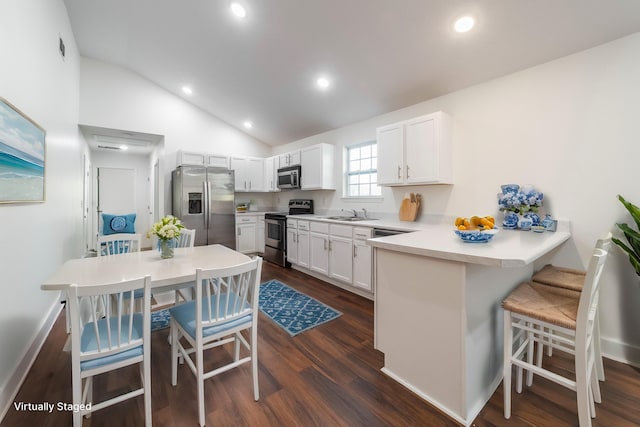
275, 230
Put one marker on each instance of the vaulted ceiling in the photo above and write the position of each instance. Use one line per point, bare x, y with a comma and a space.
379, 55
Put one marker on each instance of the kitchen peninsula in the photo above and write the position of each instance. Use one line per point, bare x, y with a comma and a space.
437, 310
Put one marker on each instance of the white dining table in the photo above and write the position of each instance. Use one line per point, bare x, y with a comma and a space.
165, 273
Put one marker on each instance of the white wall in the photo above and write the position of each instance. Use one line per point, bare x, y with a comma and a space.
569, 127
113, 97
36, 238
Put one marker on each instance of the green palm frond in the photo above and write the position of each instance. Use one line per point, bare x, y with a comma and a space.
632, 236
633, 257
633, 210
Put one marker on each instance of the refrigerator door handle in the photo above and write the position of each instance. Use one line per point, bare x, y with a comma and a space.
207, 202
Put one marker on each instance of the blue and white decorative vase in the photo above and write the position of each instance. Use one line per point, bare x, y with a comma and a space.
548, 222
510, 220
534, 217
509, 188
524, 223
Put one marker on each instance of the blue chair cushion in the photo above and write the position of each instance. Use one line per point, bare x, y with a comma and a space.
88, 341
137, 293
112, 224
185, 315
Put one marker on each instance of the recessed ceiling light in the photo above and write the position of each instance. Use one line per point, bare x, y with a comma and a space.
323, 83
187, 90
124, 147
247, 124
464, 24
238, 10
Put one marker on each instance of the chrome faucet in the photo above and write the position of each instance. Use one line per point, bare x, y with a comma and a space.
355, 214
364, 213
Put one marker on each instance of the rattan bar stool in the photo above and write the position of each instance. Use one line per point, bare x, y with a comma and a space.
536, 314
572, 279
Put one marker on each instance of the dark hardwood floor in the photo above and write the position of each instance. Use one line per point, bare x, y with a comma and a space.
328, 376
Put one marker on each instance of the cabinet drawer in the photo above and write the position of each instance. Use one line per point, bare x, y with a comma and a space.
340, 230
292, 223
319, 227
361, 233
303, 225
248, 219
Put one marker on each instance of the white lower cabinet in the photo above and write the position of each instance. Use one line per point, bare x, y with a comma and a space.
246, 228
292, 241
303, 238
340, 253
337, 251
260, 234
362, 259
319, 247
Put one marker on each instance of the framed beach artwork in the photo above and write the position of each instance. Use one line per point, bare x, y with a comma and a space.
22, 148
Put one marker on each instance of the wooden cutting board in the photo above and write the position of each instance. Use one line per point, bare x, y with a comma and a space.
409, 207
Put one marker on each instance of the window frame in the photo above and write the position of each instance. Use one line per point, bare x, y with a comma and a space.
347, 173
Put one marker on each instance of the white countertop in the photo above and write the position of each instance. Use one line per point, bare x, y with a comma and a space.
508, 248
373, 223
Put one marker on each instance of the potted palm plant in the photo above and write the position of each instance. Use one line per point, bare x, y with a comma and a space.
633, 237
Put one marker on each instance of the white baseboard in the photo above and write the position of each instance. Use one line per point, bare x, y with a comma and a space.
620, 351
10, 390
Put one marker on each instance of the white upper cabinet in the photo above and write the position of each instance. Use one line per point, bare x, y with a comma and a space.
218, 161
317, 163
289, 159
390, 141
271, 174
249, 173
201, 159
416, 151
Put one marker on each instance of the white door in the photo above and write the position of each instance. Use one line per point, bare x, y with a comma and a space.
340, 259
421, 150
303, 243
87, 239
292, 245
390, 141
116, 192
255, 174
362, 262
319, 253
246, 238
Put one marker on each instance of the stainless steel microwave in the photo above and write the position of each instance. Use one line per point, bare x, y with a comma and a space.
289, 178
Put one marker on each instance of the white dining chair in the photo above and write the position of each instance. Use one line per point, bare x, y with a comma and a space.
186, 239
215, 319
118, 243
560, 318
108, 334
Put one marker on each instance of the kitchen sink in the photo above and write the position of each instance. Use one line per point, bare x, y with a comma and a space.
349, 218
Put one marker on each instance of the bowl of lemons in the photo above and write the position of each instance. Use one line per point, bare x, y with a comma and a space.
475, 229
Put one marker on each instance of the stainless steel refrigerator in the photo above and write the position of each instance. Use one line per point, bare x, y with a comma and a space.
203, 198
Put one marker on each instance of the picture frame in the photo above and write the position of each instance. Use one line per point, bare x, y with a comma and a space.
22, 156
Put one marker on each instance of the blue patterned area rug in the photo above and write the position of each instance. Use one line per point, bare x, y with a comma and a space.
159, 319
291, 310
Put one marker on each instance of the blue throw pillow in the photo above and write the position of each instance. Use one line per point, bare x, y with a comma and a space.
118, 223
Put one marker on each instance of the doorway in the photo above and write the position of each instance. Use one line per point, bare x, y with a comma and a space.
126, 172
116, 192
